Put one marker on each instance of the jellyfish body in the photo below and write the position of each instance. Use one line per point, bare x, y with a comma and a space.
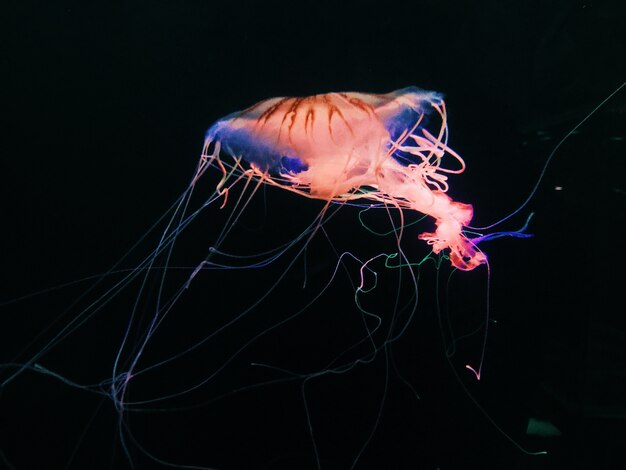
346, 146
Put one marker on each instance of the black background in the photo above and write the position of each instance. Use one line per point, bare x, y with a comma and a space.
104, 113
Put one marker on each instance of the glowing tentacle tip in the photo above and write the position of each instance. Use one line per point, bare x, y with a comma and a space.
476, 374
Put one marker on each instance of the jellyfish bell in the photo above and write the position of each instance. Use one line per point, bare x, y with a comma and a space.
342, 147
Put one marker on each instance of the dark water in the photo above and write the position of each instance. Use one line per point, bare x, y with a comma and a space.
105, 113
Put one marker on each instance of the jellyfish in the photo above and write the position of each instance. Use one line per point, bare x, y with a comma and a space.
370, 151
341, 147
